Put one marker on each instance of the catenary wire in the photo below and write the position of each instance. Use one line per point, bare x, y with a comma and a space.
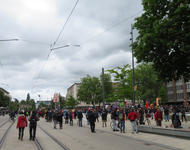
54, 43
110, 28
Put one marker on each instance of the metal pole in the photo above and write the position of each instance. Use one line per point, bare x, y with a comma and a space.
133, 69
103, 88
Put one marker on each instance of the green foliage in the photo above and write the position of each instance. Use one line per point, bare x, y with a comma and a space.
163, 37
71, 102
28, 105
4, 100
90, 90
62, 101
14, 105
149, 86
123, 89
28, 97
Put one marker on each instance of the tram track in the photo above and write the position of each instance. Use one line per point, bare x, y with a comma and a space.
5, 134
1, 125
40, 147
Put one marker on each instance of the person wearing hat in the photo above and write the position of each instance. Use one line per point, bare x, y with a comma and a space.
21, 124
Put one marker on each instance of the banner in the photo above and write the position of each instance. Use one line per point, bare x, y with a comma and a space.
56, 98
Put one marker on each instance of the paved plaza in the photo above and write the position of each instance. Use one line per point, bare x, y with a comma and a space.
80, 138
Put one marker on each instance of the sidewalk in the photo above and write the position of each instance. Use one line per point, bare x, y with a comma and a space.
171, 142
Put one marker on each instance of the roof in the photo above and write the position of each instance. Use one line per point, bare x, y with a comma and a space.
3, 90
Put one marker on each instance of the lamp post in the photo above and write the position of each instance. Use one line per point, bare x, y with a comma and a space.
103, 88
133, 69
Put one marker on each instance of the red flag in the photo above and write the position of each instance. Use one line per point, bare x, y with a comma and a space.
147, 105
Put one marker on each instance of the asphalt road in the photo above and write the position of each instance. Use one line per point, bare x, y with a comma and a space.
74, 138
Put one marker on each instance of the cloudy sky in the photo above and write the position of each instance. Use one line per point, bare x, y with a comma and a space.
100, 27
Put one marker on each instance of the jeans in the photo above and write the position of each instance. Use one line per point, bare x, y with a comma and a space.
71, 122
134, 126
80, 122
167, 117
122, 126
114, 124
32, 132
21, 133
92, 126
55, 122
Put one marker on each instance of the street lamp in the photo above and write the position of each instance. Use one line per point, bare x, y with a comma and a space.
7, 40
133, 69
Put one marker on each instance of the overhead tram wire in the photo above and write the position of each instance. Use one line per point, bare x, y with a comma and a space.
110, 28
54, 43
65, 24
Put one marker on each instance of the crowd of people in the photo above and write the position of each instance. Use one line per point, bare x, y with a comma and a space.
137, 115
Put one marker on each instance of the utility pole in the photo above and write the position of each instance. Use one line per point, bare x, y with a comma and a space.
133, 69
103, 88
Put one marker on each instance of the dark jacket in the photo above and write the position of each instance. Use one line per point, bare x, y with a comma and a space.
91, 116
33, 120
104, 115
80, 115
60, 117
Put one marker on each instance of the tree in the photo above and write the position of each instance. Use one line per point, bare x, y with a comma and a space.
90, 90
62, 101
4, 100
28, 97
123, 89
149, 86
71, 102
163, 37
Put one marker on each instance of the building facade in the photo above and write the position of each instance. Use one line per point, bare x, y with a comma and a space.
73, 90
178, 91
5, 92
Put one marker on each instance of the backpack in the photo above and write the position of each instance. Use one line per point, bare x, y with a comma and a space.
121, 116
33, 121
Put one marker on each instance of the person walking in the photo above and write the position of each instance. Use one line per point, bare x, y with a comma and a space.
133, 117
183, 116
55, 119
92, 120
158, 117
122, 121
166, 113
71, 117
33, 123
80, 116
114, 118
104, 118
21, 124
60, 119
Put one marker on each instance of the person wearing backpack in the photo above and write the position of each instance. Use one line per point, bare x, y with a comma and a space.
122, 121
33, 123
21, 124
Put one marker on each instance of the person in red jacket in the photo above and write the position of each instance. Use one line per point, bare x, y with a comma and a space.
21, 124
158, 117
133, 116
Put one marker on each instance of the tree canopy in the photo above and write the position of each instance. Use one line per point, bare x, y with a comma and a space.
90, 90
163, 37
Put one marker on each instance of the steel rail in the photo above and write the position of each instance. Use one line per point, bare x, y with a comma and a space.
39, 146
5, 135
1, 125
55, 140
